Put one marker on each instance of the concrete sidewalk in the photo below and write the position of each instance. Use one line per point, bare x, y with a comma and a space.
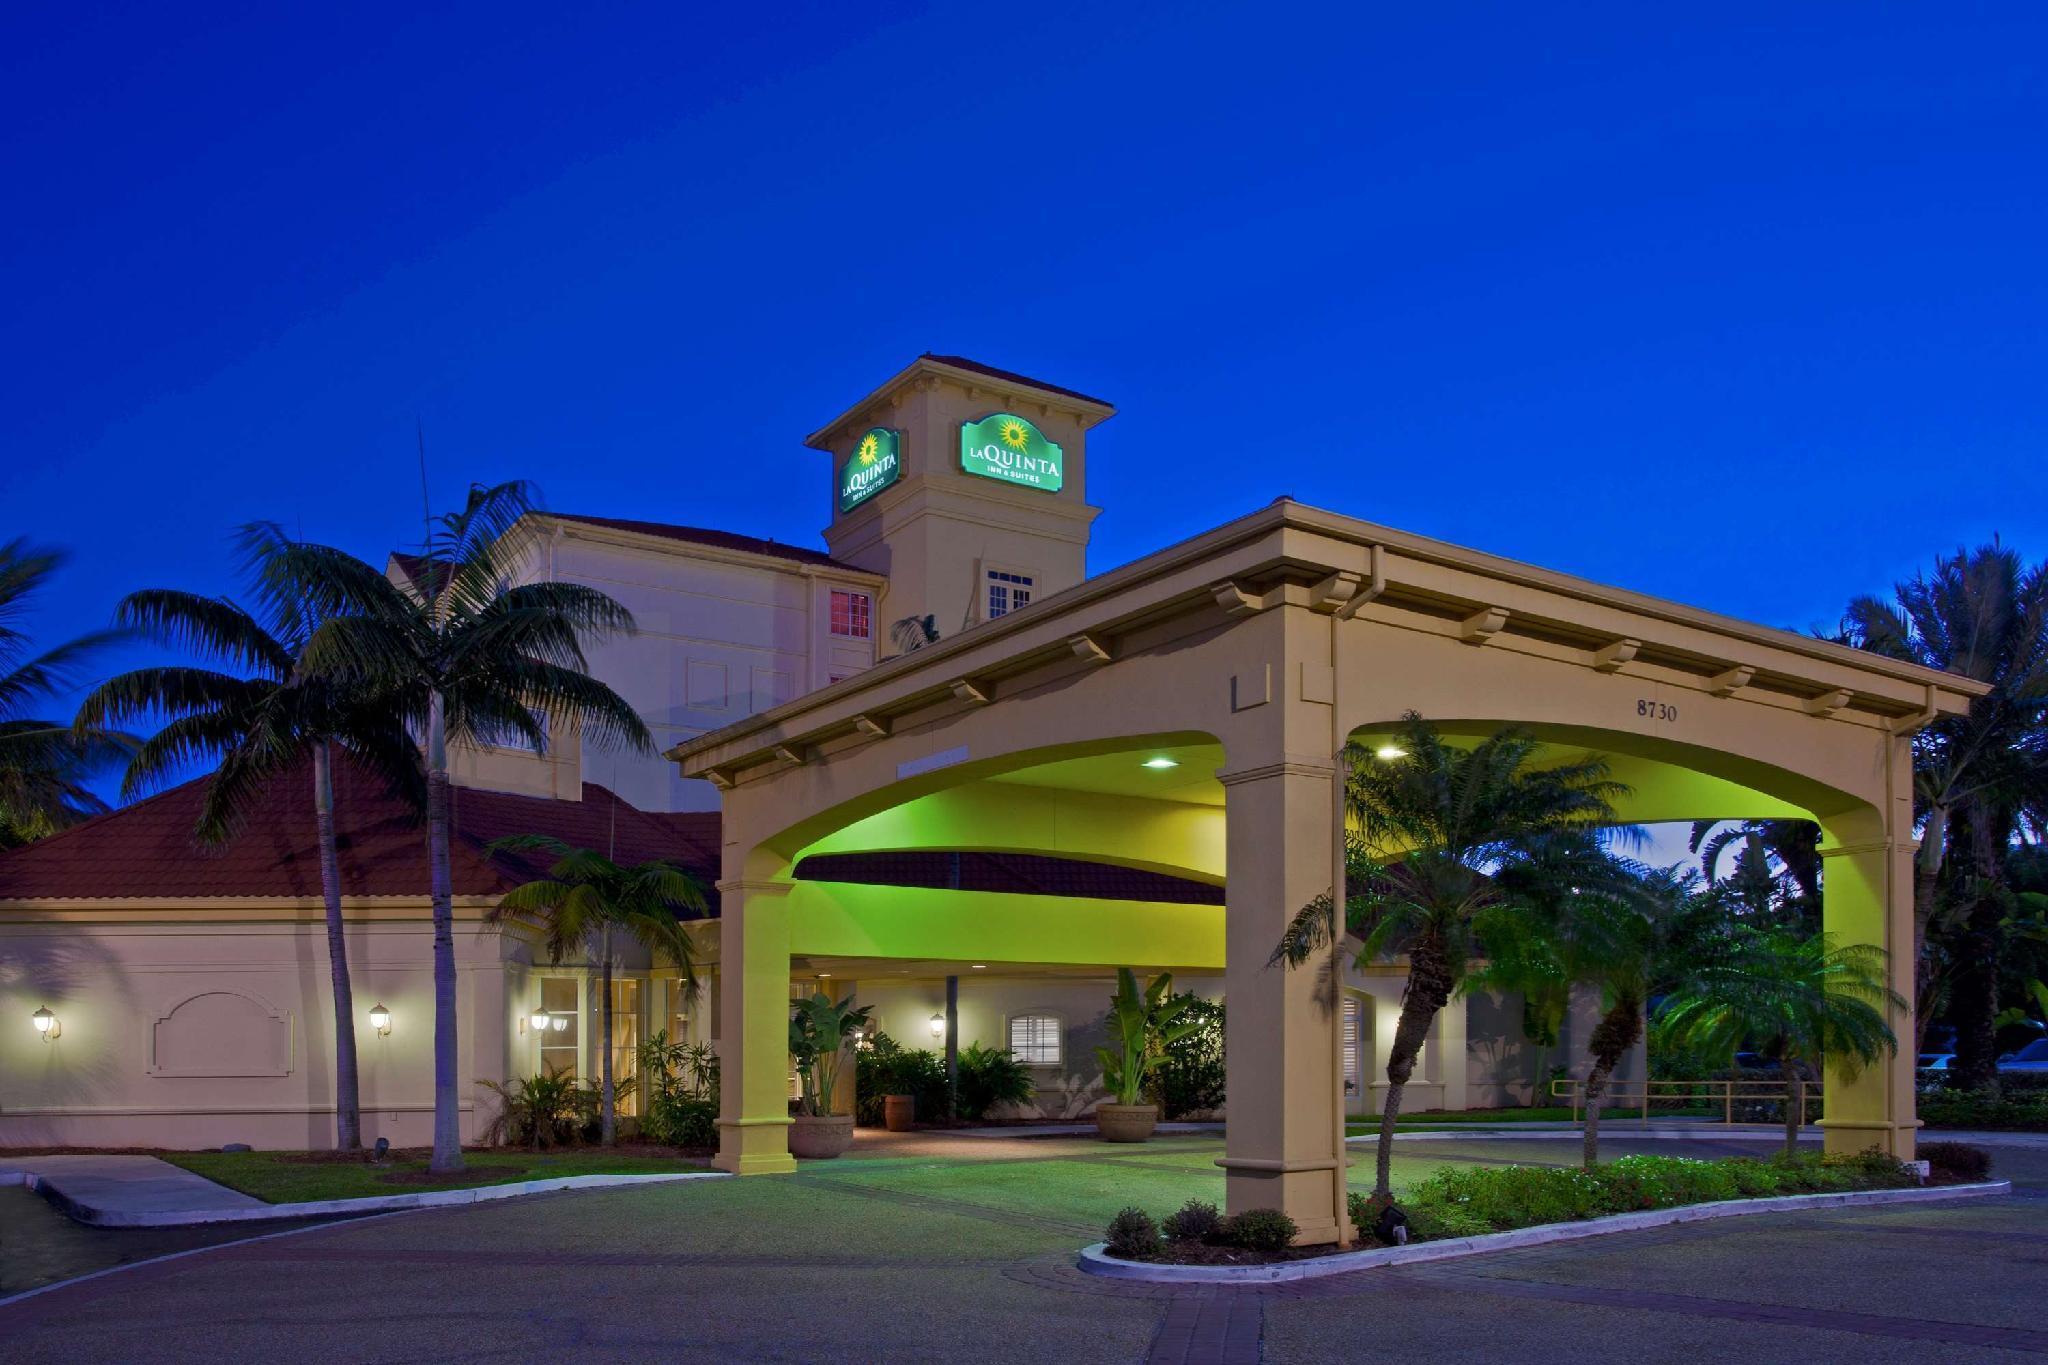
144, 1192
125, 1191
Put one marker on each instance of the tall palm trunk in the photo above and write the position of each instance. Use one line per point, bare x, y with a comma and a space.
1615, 1034
1795, 1105
608, 1128
447, 1118
1429, 989
1985, 832
1926, 880
348, 1121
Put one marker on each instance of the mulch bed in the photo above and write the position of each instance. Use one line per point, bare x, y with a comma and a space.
1201, 1253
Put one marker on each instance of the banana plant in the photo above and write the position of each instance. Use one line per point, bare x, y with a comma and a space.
1141, 1025
821, 1031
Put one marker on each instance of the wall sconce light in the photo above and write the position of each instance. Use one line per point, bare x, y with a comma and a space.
46, 1024
540, 1021
380, 1020
938, 1026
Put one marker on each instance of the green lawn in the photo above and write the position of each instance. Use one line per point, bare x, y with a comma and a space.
278, 1179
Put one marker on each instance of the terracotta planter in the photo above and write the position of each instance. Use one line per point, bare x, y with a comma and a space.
1126, 1122
819, 1139
899, 1112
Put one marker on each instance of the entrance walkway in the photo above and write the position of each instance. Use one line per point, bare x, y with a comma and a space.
941, 1250
122, 1191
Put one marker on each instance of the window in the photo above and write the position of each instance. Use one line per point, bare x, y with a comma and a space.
1353, 1081
559, 1047
625, 1037
1035, 1039
1007, 592
852, 614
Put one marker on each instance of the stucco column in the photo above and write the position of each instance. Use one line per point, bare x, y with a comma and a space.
1281, 1117
1867, 897
753, 972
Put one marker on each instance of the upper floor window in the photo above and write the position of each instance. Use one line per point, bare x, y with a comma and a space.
852, 614
1035, 1039
1007, 592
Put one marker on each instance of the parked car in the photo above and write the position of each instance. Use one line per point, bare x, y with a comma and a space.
1932, 1069
2029, 1060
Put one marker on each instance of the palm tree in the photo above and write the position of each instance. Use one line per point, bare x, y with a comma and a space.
45, 765
465, 655
1436, 829
913, 633
1769, 855
587, 899
1581, 915
257, 721
1796, 999
1983, 614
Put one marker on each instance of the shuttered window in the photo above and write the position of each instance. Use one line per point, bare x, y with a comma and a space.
1035, 1039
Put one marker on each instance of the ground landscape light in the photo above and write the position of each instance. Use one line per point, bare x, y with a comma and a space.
380, 1019
1390, 751
1161, 762
46, 1023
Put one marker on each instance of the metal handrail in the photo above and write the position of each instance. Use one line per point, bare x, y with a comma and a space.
1642, 1094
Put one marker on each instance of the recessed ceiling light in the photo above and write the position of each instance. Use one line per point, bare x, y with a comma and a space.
823, 975
1390, 751
1161, 762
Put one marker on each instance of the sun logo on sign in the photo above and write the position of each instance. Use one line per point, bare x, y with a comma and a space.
869, 448
1014, 435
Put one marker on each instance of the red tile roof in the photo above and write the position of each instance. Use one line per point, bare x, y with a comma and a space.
725, 540
146, 851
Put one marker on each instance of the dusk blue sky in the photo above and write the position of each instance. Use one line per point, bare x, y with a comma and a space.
1739, 306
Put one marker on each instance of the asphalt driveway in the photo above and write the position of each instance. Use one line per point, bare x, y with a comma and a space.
950, 1251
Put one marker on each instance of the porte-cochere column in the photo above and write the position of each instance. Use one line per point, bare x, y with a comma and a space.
1867, 897
1280, 1146
753, 1093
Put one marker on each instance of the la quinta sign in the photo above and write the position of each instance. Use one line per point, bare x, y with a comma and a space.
1005, 447
876, 461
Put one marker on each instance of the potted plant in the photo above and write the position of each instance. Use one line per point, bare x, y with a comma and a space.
821, 1031
1140, 1025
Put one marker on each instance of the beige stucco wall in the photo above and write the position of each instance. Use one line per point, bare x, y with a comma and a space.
721, 635
937, 529
189, 1031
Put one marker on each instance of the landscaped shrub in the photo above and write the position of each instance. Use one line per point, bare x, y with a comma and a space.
992, 1076
1258, 1230
542, 1111
1956, 1161
1189, 1076
1133, 1235
885, 1067
2022, 1111
1460, 1201
681, 1121
679, 1083
1196, 1221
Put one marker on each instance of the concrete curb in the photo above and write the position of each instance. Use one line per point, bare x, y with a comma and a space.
99, 1217
1095, 1260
